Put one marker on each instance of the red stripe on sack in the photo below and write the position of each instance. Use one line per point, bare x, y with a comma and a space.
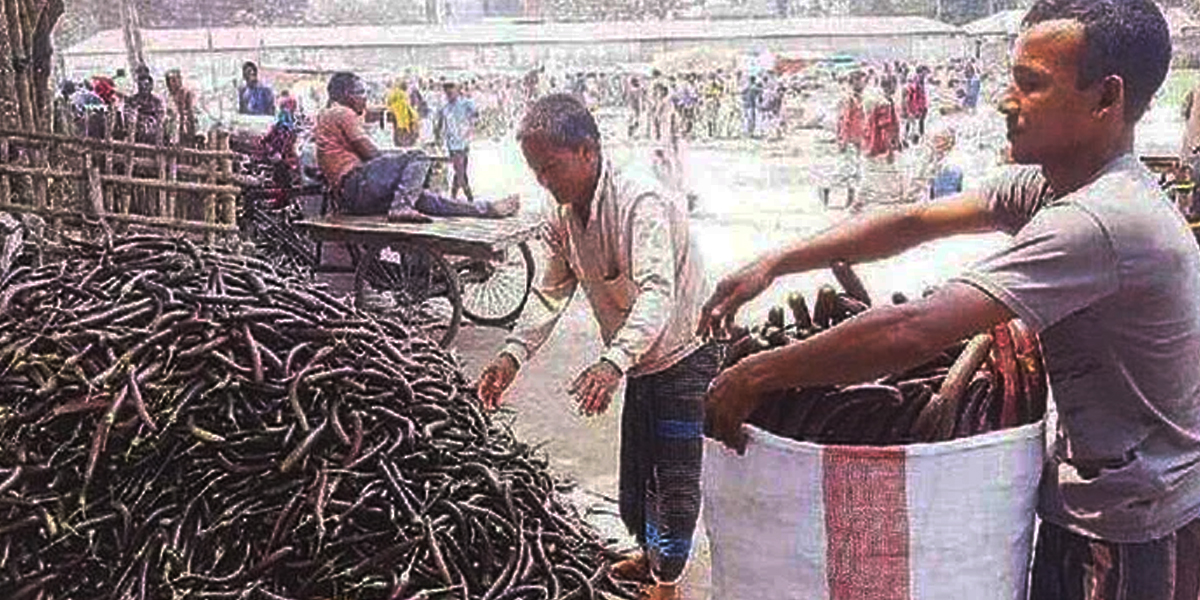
866, 523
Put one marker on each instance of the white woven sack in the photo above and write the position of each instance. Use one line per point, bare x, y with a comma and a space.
800, 521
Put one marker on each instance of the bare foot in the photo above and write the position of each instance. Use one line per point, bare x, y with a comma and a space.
635, 567
407, 215
505, 207
661, 591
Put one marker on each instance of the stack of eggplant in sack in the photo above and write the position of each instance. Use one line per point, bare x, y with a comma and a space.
994, 381
180, 423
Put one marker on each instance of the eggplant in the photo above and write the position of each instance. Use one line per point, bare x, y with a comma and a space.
744, 347
916, 398
775, 336
799, 308
1033, 371
936, 422
775, 317
850, 282
974, 400
826, 307
848, 306
800, 405
1004, 356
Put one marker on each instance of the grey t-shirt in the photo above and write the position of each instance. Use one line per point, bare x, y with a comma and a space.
1110, 277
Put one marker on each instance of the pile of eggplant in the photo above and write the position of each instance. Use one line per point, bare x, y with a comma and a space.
993, 381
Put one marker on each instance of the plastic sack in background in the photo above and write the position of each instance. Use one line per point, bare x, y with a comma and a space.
799, 521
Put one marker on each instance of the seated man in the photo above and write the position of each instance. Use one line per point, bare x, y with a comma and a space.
367, 182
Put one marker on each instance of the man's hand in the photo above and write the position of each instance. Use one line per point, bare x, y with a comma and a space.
732, 292
495, 380
594, 388
730, 401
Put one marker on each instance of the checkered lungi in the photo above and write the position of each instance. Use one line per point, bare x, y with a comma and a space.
662, 429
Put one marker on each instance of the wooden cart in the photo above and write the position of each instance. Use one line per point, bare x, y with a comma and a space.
428, 269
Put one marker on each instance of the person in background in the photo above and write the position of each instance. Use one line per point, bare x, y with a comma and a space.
406, 125
66, 118
455, 127
636, 100
972, 87
89, 110
1181, 186
712, 93
279, 144
750, 95
883, 124
916, 107
947, 175
183, 107
364, 181
147, 108
106, 89
254, 97
625, 239
1100, 265
851, 136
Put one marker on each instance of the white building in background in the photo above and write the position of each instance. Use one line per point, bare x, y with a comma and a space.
213, 57
989, 39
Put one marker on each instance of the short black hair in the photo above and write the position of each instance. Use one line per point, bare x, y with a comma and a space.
1126, 38
563, 120
250, 65
340, 85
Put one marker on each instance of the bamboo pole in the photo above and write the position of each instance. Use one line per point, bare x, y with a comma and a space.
110, 199
5, 186
178, 186
172, 177
161, 159
115, 145
74, 217
228, 201
210, 200
127, 193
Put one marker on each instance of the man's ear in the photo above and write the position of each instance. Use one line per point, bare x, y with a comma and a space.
1112, 95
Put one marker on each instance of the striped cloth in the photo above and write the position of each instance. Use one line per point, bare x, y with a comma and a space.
662, 427
1068, 566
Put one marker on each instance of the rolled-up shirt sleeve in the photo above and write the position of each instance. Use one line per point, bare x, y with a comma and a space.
549, 299
652, 268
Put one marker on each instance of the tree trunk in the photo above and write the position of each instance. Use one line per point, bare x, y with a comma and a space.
9, 110
133, 36
18, 35
26, 62
43, 61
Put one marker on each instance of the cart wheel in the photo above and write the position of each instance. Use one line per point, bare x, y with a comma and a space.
415, 284
494, 293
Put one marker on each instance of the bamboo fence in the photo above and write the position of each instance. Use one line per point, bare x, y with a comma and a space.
70, 180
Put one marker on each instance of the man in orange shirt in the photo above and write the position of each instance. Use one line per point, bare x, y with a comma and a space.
365, 181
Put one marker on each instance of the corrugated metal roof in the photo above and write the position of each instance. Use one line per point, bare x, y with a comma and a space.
178, 40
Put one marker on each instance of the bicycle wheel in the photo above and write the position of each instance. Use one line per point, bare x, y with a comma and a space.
413, 283
494, 293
